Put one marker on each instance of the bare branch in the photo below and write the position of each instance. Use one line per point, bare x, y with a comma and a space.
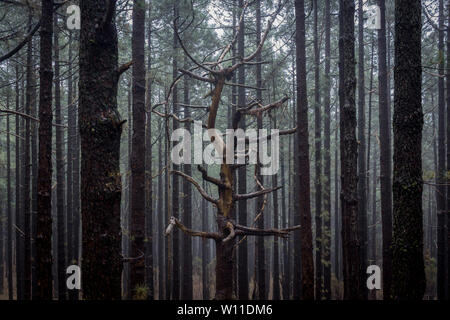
174, 222
196, 184
255, 194
195, 76
258, 111
248, 231
215, 181
124, 68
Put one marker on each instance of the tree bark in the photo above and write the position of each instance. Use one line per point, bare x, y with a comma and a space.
100, 130
61, 258
302, 216
362, 173
348, 149
408, 276
327, 159
242, 176
137, 161
440, 194
44, 220
385, 155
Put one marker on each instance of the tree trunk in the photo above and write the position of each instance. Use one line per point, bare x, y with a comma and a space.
385, 156
137, 161
242, 175
440, 194
59, 172
100, 130
304, 257
175, 179
408, 276
44, 220
348, 148
148, 168
8, 206
186, 289
327, 159
318, 156
362, 192
260, 256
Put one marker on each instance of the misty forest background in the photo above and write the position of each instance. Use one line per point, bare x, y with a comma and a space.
86, 177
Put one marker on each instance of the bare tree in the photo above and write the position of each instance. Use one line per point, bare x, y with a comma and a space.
228, 229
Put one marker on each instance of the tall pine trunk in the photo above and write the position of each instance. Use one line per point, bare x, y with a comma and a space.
348, 148
408, 275
302, 216
44, 220
100, 130
137, 160
385, 155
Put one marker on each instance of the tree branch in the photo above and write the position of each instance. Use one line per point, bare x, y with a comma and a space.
174, 222
196, 184
238, 197
248, 231
215, 181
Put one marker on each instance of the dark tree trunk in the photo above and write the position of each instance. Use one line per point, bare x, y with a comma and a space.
76, 194
348, 148
161, 219
302, 216
205, 250
18, 202
137, 160
59, 173
448, 148
44, 220
362, 173
100, 130
337, 232
408, 276
148, 169
186, 289
175, 180
70, 174
276, 252
317, 156
26, 170
385, 155
260, 256
441, 173
8, 206
242, 178
327, 159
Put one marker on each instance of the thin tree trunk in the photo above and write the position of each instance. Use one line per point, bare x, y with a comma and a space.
44, 220
148, 168
304, 256
385, 155
362, 192
440, 194
8, 206
175, 179
137, 161
260, 254
59, 173
327, 159
242, 175
186, 289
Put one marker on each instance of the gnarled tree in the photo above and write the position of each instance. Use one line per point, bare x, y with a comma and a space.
228, 230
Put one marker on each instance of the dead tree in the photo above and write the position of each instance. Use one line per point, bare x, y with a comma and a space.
217, 75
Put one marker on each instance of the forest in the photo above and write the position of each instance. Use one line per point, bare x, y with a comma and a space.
224, 149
